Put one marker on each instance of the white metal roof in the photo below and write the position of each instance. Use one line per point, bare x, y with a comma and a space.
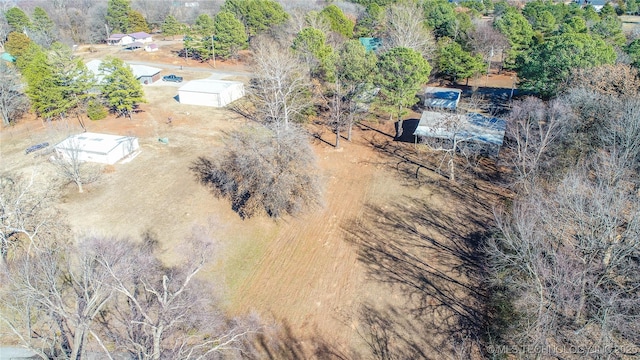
93, 142
138, 70
208, 86
442, 98
471, 126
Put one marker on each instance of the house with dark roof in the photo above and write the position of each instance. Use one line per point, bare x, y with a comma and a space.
141, 37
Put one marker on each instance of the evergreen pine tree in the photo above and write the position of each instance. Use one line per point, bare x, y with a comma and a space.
230, 35
121, 89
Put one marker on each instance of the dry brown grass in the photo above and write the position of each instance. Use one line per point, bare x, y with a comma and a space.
319, 273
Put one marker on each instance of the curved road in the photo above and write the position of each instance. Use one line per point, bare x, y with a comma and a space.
216, 73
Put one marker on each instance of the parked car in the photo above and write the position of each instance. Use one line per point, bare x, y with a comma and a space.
172, 78
37, 147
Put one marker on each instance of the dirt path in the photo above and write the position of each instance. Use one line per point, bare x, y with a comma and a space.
309, 276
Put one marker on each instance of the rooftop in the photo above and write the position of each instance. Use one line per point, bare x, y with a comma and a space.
93, 142
209, 86
471, 126
140, 35
138, 70
371, 44
116, 36
441, 98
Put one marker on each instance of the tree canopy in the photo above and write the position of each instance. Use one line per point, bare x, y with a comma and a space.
57, 81
43, 29
17, 19
401, 71
230, 35
455, 62
311, 44
440, 17
338, 21
17, 43
137, 23
204, 25
548, 64
517, 30
121, 89
118, 15
171, 26
256, 15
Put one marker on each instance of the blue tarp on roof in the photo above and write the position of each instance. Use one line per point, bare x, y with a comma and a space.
371, 44
7, 57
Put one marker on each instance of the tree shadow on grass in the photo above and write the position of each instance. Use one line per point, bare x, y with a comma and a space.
280, 342
432, 264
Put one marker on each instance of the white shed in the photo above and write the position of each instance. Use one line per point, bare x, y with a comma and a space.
209, 92
99, 148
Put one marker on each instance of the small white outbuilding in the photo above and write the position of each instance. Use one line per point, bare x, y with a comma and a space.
99, 148
209, 92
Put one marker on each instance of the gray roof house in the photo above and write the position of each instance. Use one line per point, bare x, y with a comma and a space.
486, 133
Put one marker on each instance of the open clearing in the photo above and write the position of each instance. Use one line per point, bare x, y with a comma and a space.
388, 261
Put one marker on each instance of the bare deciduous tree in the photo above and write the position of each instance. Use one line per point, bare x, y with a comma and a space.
263, 170
619, 79
487, 40
27, 213
405, 27
300, 19
69, 164
4, 29
280, 88
570, 259
13, 101
66, 301
154, 11
58, 291
533, 129
163, 312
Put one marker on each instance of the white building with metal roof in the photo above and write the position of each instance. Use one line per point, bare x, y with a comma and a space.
99, 148
145, 74
210, 92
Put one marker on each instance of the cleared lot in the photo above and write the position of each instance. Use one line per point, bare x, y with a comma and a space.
389, 258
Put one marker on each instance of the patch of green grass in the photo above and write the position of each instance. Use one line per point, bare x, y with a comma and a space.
243, 254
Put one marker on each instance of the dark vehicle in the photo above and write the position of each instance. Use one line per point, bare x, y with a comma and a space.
172, 78
33, 148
